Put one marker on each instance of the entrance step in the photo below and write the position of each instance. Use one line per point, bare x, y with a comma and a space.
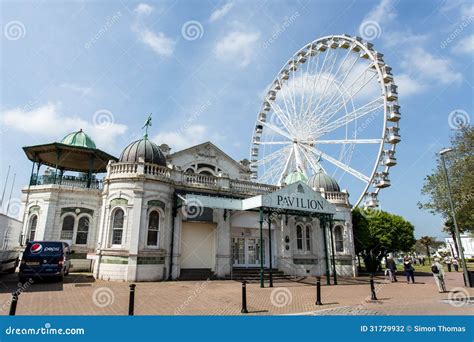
253, 275
196, 274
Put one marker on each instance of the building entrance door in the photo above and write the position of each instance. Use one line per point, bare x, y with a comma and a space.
246, 252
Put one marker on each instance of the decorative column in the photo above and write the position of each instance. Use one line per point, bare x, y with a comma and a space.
134, 235
223, 250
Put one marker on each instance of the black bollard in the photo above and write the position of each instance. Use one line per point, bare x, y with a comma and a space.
244, 298
372, 288
131, 302
318, 291
13, 303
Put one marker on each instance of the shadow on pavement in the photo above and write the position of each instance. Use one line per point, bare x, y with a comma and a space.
9, 283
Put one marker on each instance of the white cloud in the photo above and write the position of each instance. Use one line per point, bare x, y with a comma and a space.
467, 11
48, 121
159, 43
408, 86
184, 138
466, 45
143, 9
403, 38
75, 87
221, 12
237, 46
424, 65
383, 12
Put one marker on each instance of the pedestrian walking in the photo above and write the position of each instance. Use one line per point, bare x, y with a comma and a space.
447, 261
456, 264
392, 268
438, 275
409, 271
423, 260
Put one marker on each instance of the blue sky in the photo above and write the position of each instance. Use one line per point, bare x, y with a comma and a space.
202, 67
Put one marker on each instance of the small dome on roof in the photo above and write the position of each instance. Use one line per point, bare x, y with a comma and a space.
295, 176
143, 148
322, 180
78, 138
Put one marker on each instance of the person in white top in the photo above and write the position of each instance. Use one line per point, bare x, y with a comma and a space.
438, 275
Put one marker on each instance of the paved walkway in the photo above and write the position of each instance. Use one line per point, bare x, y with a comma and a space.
80, 294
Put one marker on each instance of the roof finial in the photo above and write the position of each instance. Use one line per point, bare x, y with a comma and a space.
146, 125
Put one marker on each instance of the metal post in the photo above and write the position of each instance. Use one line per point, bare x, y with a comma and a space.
318, 291
244, 298
456, 228
13, 303
5, 186
38, 164
270, 248
328, 276
11, 191
372, 288
131, 302
261, 248
334, 273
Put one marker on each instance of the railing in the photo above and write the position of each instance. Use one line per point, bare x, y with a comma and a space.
156, 170
71, 181
124, 170
118, 168
251, 187
336, 197
200, 180
66, 235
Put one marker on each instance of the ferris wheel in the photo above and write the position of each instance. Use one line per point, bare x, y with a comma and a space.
333, 107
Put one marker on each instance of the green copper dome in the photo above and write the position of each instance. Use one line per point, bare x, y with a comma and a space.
294, 177
79, 138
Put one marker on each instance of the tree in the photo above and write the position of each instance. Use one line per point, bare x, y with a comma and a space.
428, 242
460, 166
377, 233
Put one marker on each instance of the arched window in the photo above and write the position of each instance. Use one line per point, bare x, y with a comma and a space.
82, 231
117, 227
308, 238
67, 230
33, 224
299, 237
153, 228
339, 239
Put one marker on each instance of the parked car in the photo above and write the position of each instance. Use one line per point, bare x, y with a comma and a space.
45, 259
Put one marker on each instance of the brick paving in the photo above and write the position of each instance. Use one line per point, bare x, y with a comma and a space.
80, 294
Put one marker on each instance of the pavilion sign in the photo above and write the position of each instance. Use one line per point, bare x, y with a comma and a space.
297, 196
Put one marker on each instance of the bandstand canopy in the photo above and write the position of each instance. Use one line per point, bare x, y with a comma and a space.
76, 152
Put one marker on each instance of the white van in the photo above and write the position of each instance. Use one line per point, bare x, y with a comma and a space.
10, 230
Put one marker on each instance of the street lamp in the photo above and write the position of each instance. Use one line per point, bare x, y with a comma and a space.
453, 213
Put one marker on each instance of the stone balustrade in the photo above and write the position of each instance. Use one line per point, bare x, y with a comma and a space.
242, 187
